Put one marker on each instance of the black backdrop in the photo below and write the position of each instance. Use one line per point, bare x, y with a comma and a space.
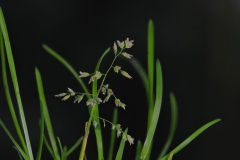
197, 43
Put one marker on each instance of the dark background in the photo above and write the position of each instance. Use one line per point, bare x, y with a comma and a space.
197, 43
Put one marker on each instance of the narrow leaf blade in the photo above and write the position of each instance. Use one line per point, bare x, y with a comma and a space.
138, 151
191, 137
74, 146
8, 96
173, 125
113, 135
15, 82
141, 72
97, 130
39, 153
150, 69
121, 147
46, 114
67, 65
156, 112
14, 141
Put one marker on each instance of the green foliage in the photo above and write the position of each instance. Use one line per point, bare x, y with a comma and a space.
191, 137
121, 147
173, 125
138, 151
25, 143
55, 147
113, 135
155, 114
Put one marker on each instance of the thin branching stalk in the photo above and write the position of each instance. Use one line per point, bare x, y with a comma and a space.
87, 130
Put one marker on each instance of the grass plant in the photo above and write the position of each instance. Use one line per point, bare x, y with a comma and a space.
93, 99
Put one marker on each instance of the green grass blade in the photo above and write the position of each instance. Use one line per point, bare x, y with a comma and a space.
121, 147
60, 146
46, 114
8, 96
74, 146
39, 153
97, 130
19, 154
141, 71
14, 142
170, 156
101, 58
150, 69
173, 125
150, 77
15, 82
138, 151
64, 153
68, 66
156, 112
48, 147
191, 137
113, 135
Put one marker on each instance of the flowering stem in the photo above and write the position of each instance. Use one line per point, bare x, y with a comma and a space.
84, 144
84, 94
108, 71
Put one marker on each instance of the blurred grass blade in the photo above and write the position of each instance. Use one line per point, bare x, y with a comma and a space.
150, 78
170, 156
138, 151
191, 137
15, 82
46, 114
60, 146
101, 58
14, 142
173, 125
48, 147
121, 147
39, 153
19, 154
7, 93
156, 112
64, 153
113, 135
68, 66
141, 71
97, 130
150, 70
74, 146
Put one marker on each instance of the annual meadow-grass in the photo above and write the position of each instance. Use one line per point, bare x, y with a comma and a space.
94, 98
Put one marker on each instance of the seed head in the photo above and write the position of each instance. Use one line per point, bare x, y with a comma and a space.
128, 44
84, 74
116, 69
126, 74
120, 44
115, 48
129, 56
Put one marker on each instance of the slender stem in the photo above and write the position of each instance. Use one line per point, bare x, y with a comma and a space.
104, 119
84, 93
108, 71
85, 138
